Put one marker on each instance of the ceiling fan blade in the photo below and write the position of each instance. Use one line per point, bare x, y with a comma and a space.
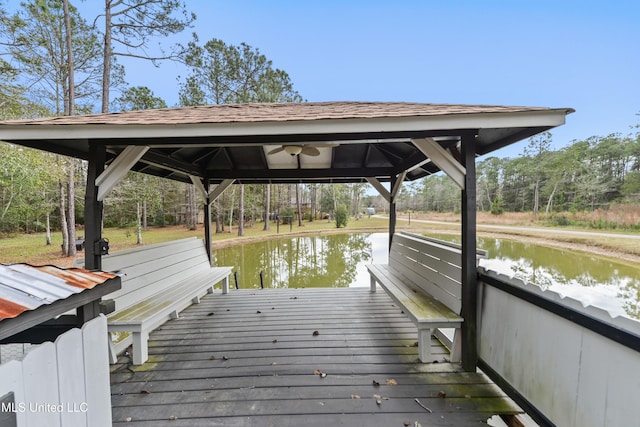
275, 150
310, 151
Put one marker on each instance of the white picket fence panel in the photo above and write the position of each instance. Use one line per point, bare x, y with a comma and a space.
571, 374
64, 384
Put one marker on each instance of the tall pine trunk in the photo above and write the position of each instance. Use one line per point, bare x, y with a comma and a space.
71, 208
106, 70
298, 205
241, 212
267, 204
138, 224
312, 215
219, 224
63, 219
48, 231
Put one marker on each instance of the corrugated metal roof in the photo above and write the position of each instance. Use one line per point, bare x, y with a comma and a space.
26, 287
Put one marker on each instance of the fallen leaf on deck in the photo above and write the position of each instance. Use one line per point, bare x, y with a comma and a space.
391, 381
145, 391
258, 312
376, 383
225, 358
315, 333
377, 396
274, 341
212, 358
319, 373
355, 396
210, 314
442, 394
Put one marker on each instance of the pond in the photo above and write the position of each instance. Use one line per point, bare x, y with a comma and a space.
339, 260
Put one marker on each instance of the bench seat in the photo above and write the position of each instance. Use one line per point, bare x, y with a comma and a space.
149, 314
423, 277
158, 281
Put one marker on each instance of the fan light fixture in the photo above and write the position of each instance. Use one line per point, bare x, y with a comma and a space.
293, 150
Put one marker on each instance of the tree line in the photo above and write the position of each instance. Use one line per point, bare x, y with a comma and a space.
584, 176
33, 183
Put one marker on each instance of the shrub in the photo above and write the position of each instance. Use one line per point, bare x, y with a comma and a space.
341, 216
497, 207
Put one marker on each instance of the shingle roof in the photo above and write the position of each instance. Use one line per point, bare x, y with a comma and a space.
357, 140
274, 112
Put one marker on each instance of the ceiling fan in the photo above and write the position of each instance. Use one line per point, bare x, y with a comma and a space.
295, 150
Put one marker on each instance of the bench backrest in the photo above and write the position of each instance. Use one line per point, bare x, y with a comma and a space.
434, 266
149, 269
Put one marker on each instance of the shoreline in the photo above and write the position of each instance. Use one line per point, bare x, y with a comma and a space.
616, 255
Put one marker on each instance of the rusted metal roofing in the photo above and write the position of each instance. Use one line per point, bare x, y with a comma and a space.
26, 287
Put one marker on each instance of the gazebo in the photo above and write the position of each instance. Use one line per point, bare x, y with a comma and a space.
323, 142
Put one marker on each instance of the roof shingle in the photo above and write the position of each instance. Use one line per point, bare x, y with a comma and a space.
274, 112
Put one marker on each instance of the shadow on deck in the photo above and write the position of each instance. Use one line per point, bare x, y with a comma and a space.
253, 357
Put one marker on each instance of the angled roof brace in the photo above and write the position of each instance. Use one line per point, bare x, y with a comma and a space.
114, 173
442, 158
216, 192
378, 186
396, 188
197, 182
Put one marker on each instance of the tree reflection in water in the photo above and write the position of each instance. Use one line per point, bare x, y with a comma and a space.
300, 262
339, 260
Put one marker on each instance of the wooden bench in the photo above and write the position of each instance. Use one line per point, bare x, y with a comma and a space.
158, 281
423, 277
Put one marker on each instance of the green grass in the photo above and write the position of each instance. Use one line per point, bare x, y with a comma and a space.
31, 248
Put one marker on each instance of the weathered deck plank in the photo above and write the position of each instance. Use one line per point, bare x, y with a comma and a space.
251, 358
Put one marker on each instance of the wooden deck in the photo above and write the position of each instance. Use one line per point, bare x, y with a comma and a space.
253, 357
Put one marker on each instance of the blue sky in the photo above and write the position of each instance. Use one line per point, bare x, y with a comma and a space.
563, 53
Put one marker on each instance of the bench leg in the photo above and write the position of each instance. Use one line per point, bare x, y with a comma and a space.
113, 357
374, 286
225, 285
195, 300
424, 345
456, 346
140, 348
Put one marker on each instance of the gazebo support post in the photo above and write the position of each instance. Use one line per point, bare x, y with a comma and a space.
93, 208
207, 221
392, 212
469, 269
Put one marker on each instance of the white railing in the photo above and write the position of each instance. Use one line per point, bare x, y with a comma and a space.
575, 365
64, 384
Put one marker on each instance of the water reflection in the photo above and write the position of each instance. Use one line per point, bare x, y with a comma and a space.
592, 280
600, 282
310, 261
339, 260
